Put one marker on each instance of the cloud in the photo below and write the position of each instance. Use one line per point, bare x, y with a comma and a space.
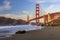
13, 16
52, 8
10, 16
24, 17
43, 1
25, 12
6, 5
37, 1
54, 0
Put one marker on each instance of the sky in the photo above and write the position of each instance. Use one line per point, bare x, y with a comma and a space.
19, 9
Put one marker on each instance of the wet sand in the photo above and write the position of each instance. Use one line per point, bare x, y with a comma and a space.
48, 33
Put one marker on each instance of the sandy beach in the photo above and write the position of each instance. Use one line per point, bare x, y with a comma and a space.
48, 33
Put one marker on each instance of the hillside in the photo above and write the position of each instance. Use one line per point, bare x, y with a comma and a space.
9, 21
55, 22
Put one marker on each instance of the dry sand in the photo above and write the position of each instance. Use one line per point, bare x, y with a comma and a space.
48, 33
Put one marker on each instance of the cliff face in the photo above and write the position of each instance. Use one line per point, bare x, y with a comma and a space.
9, 21
55, 22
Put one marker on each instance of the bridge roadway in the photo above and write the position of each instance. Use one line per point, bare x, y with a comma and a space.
52, 16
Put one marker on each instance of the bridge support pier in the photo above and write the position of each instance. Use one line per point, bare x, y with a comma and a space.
28, 20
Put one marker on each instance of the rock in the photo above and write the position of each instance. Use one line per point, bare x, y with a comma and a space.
21, 32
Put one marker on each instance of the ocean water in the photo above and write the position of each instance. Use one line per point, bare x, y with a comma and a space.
7, 31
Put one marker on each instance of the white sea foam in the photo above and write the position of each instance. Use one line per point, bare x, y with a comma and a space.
10, 30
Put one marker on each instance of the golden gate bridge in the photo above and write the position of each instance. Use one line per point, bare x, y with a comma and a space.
47, 18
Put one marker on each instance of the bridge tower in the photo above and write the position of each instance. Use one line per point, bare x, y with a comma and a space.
37, 14
28, 19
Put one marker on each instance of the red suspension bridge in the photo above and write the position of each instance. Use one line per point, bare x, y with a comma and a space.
47, 18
